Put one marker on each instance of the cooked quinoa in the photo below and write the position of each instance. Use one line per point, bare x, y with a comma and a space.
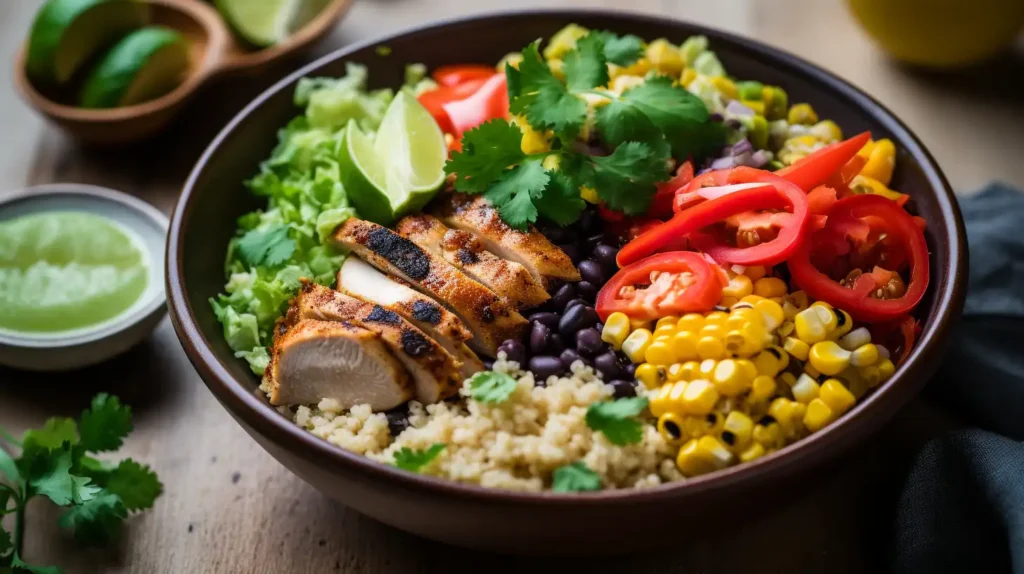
514, 445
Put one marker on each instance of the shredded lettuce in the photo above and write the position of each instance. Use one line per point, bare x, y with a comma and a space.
306, 201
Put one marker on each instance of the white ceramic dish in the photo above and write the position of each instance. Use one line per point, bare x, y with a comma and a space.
81, 347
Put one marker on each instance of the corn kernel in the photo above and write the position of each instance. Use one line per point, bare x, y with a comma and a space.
669, 322
829, 358
589, 195
762, 389
616, 329
806, 389
703, 455
802, 114
698, 426
789, 415
855, 338
635, 324
772, 314
690, 322
883, 353
512, 59
795, 347
770, 287
674, 372
684, 345
564, 40
665, 57
787, 380
827, 131
881, 162
818, 415
768, 432
635, 345
658, 402
652, 376
886, 369
752, 453
716, 318
843, 324
747, 341
716, 330
748, 367
670, 426
706, 369
533, 141
737, 431
687, 77
710, 348
699, 397
858, 386
815, 323
625, 82
660, 352
770, 361
731, 379
755, 272
864, 355
725, 86
872, 376
665, 331
557, 68
689, 370
836, 396
786, 328
739, 287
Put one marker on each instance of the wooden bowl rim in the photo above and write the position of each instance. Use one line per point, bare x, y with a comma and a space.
863, 419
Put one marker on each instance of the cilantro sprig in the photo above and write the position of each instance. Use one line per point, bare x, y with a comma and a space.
491, 387
575, 477
617, 419
643, 128
413, 460
55, 463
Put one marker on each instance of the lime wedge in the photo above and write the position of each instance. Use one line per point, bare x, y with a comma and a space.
144, 65
66, 270
264, 22
398, 171
66, 33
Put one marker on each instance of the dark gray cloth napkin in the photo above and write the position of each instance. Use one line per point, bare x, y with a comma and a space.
962, 507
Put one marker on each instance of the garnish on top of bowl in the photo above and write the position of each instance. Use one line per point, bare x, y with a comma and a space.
639, 269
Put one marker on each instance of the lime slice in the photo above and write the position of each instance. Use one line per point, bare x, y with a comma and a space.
263, 22
144, 65
66, 33
65, 270
399, 170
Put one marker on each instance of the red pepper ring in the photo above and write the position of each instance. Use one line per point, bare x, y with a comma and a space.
702, 291
857, 301
777, 193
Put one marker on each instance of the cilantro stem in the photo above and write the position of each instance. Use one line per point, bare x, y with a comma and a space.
19, 524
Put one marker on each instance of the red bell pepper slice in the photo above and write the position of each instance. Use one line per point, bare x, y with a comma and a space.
663, 203
670, 283
434, 100
898, 336
490, 101
905, 236
816, 169
461, 73
821, 199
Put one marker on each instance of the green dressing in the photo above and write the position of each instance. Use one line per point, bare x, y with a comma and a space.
61, 271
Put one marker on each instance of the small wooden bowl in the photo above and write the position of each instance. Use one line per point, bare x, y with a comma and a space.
214, 52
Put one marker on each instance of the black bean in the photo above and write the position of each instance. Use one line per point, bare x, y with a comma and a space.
562, 297
572, 251
594, 240
608, 365
588, 342
575, 302
622, 389
540, 338
514, 351
560, 234
577, 317
591, 271
544, 366
545, 317
605, 255
398, 421
589, 221
557, 344
587, 291
631, 370
599, 326
568, 357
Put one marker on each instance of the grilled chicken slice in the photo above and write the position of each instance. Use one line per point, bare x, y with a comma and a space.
489, 318
434, 371
359, 279
314, 360
545, 261
506, 278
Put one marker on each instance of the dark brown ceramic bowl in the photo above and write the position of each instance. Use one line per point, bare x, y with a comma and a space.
204, 220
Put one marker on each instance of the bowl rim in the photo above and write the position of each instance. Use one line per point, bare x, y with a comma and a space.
883, 403
119, 325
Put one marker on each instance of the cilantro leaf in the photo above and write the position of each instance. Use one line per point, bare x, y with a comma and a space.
616, 419
413, 460
561, 201
135, 484
620, 50
697, 140
544, 99
55, 432
491, 387
678, 113
487, 152
105, 425
8, 469
97, 521
585, 65
17, 566
513, 194
270, 246
6, 494
625, 179
575, 477
6, 544
619, 122
59, 485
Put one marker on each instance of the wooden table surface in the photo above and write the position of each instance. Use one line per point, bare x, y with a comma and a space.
230, 508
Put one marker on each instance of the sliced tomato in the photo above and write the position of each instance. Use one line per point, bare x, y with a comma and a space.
488, 102
816, 169
903, 240
665, 284
434, 100
461, 73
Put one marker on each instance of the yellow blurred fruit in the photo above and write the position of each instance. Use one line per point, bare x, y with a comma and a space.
941, 33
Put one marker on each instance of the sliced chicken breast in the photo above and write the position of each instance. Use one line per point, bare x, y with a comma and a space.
434, 370
462, 249
314, 360
489, 318
359, 279
545, 261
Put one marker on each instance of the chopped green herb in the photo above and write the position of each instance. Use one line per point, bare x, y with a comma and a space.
413, 460
269, 246
491, 387
621, 50
54, 463
617, 419
575, 477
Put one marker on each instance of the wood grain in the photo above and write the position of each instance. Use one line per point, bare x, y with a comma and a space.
230, 508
